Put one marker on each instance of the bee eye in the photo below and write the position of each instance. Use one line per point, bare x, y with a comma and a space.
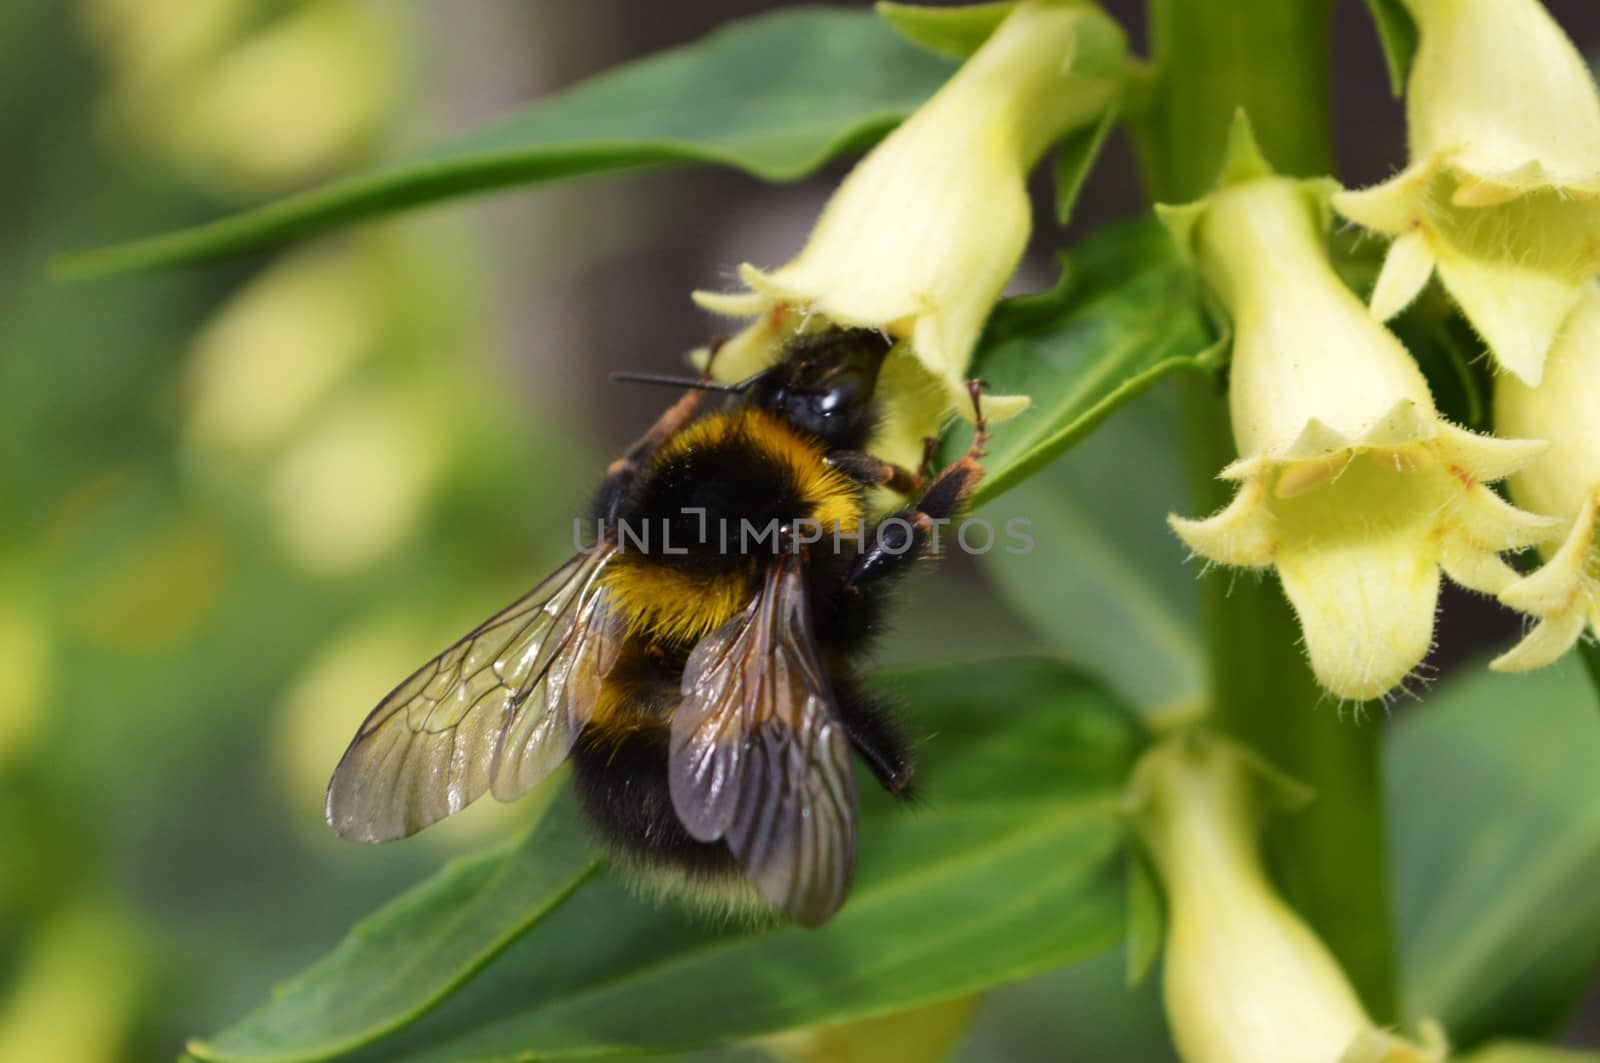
829, 401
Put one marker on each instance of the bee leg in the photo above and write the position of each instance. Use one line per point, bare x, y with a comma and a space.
909, 535
621, 474
870, 723
930, 444
872, 471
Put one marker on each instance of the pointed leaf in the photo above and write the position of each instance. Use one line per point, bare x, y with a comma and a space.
1495, 840
1146, 920
953, 32
1105, 584
1012, 866
1398, 35
775, 96
411, 954
1126, 312
1076, 156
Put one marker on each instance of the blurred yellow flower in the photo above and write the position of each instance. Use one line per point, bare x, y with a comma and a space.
279, 346
73, 996
356, 484
927, 1034
246, 97
26, 671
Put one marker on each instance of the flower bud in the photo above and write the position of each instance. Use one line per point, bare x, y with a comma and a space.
1351, 484
1502, 195
922, 236
1564, 482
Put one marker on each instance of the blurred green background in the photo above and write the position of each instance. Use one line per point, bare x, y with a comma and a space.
238, 504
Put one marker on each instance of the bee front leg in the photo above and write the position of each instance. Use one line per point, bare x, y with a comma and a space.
907, 536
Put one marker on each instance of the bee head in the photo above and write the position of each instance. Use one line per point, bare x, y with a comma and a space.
824, 385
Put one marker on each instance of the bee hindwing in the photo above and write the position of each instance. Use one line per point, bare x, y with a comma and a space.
501, 708
759, 759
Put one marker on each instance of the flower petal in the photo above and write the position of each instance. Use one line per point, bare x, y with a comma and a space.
1486, 459
1406, 269
1392, 207
1545, 644
1243, 533
1517, 309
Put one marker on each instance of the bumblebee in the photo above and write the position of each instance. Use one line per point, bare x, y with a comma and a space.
699, 666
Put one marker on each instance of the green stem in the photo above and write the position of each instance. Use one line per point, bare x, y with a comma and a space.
1212, 57
1270, 57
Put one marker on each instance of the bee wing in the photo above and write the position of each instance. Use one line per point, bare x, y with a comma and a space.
758, 758
507, 700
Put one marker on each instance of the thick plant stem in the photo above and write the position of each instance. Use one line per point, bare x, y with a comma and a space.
1269, 57
1212, 57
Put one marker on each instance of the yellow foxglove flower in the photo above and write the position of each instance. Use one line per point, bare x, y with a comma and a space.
1244, 979
1502, 196
1565, 482
922, 236
1350, 483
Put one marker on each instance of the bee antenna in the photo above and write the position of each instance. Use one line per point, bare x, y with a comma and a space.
675, 382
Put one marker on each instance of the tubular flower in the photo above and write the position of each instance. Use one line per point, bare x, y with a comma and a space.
1503, 192
1350, 483
1565, 481
922, 236
1245, 980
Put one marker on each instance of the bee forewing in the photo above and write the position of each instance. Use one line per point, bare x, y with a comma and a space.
429, 749
759, 759
538, 738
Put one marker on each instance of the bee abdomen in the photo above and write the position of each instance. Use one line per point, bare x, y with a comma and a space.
622, 786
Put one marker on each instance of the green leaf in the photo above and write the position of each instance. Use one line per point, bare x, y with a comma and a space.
1398, 35
1146, 920
1076, 156
1589, 652
775, 96
1105, 584
1126, 312
953, 32
1495, 843
406, 957
1012, 866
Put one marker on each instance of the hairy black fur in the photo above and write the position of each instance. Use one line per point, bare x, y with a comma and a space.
825, 388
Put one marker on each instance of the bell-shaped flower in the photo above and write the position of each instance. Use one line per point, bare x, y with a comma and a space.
923, 235
1351, 484
1244, 978
1502, 194
1564, 595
